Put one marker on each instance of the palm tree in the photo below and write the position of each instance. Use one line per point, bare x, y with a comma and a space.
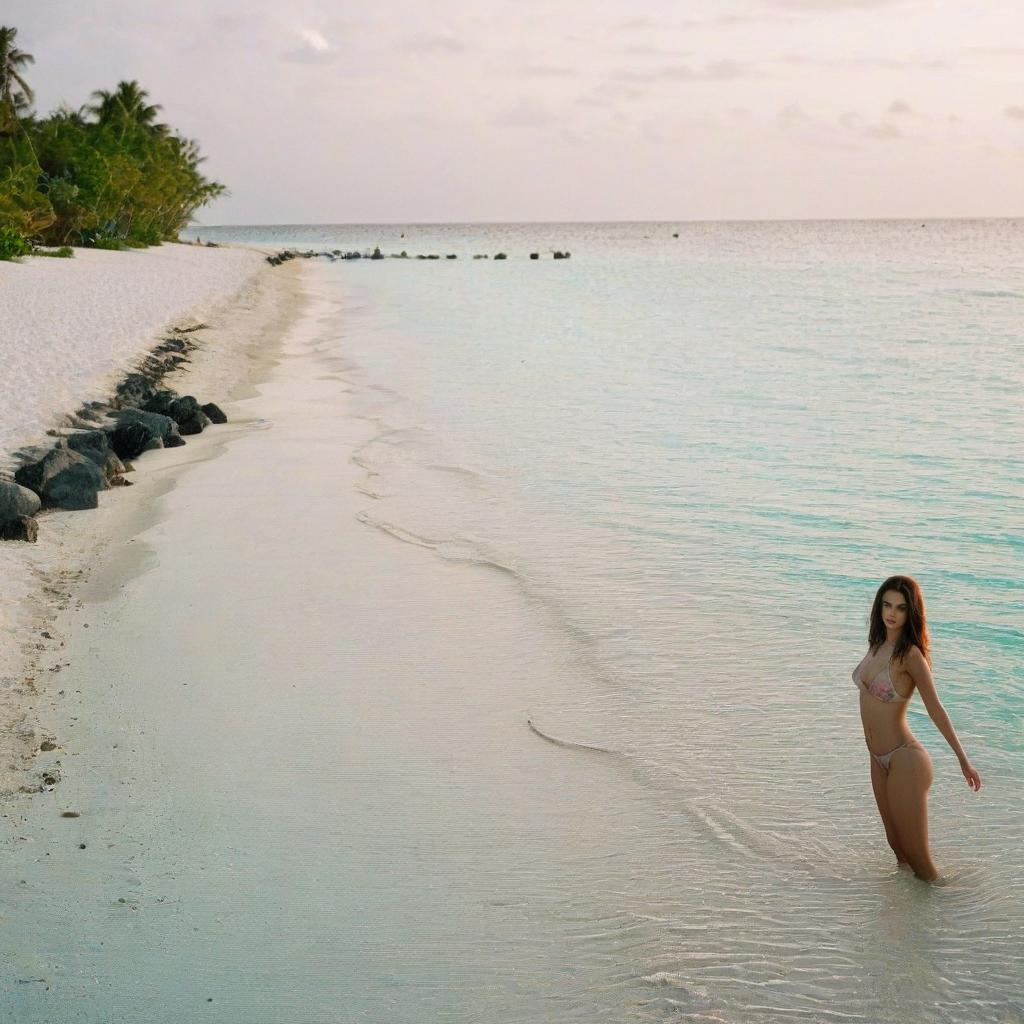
125, 106
15, 93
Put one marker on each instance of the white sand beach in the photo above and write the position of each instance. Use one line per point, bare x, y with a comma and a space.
69, 329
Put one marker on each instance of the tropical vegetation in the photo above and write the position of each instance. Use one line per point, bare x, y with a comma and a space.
108, 174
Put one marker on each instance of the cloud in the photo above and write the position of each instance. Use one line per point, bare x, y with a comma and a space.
524, 113
888, 63
882, 132
316, 49
442, 41
1015, 112
315, 39
607, 94
544, 71
997, 51
716, 71
792, 117
646, 50
833, 5
634, 25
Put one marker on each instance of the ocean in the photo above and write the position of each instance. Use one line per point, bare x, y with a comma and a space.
694, 450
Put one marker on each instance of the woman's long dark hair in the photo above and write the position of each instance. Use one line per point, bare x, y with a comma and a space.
915, 629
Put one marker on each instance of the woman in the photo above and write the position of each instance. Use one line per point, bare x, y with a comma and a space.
901, 770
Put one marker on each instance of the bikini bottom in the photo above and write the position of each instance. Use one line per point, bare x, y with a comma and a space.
882, 760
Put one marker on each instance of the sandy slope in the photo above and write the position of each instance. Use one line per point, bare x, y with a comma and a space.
244, 306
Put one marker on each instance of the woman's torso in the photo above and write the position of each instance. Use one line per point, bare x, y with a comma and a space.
885, 689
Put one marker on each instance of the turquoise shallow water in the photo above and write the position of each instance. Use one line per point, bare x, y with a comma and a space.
697, 457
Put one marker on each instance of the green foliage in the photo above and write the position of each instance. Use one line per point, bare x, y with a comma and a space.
12, 244
65, 252
106, 242
108, 175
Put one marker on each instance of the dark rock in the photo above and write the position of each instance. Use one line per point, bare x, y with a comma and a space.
214, 412
561, 255
160, 426
195, 424
95, 445
500, 256
17, 501
481, 256
172, 441
64, 479
130, 440
534, 255
175, 345
134, 390
161, 403
452, 256
21, 528
377, 254
182, 409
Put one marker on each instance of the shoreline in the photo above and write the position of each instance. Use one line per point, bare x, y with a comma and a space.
246, 327
279, 723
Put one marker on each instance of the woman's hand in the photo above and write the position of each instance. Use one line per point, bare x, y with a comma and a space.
972, 777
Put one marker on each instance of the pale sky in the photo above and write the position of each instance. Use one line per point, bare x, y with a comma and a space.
319, 111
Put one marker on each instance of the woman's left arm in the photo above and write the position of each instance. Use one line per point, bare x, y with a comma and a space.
917, 666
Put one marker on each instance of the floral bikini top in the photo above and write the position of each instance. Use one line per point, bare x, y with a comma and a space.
880, 687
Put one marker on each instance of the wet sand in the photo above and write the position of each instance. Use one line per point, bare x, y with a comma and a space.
296, 751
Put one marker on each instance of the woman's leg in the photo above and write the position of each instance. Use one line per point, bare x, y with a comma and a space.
910, 776
878, 784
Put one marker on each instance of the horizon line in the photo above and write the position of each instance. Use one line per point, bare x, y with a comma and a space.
707, 220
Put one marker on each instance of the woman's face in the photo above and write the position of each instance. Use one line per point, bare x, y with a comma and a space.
894, 609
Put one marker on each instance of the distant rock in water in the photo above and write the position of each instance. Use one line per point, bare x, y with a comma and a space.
377, 254
500, 256
451, 256
534, 255
562, 255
